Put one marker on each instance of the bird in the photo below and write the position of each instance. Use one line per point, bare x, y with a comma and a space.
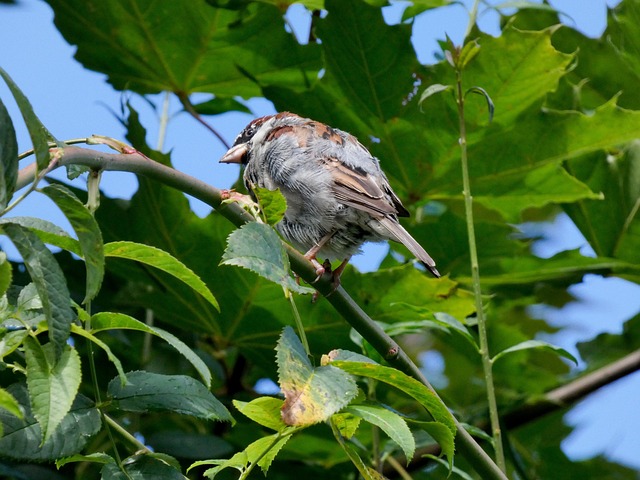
337, 195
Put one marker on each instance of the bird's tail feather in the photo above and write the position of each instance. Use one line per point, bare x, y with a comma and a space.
399, 234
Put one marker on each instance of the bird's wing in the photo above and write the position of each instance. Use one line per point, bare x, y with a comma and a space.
358, 189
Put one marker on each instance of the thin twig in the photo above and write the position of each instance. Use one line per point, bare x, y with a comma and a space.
189, 108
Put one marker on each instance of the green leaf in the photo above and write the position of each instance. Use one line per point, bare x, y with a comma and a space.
142, 467
47, 232
40, 136
377, 72
441, 434
389, 422
147, 391
311, 394
92, 338
537, 345
257, 247
161, 260
11, 405
271, 445
48, 279
8, 157
88, 233
367, 472
406, 384
272, 204
418, 6
263, 410
22, 438
459, 472
215, 50
218, 105
97, 457
432, 90
346, 423
53, 384
113, 321
6, 274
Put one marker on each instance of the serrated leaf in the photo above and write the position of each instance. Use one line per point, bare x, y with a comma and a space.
346, 423
272, 204
367, 472
10, 404
265, 450
404, 383
311, 394
220, 51
22, 438
6, 273
53, 384
264, 411
257, 247
8, 157
40, 136
141, 467
535, 345
441, 434
390, 423
146, 391
87, 231
49, 281
161, 260
113, 321
92, 338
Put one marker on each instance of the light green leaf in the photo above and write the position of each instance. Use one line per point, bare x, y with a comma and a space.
146, 391
22, 439
346, 423
272, 204
97, 457
264, 450
367, 472
113, 321
311, 394
53, 384
6, 273
432, 90
537, 345
92, 338
9, 404
161, 260
263, 410
404, 383
49, 281
257, 247
88, 232
8, 157
389, 422
418, 6
40, 136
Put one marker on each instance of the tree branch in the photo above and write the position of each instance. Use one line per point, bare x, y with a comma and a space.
137, 163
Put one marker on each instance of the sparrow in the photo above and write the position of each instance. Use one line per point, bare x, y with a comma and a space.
337, 195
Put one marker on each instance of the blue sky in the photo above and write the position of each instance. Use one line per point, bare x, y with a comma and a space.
74, 102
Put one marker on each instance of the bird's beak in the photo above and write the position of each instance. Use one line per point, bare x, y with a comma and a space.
236, 154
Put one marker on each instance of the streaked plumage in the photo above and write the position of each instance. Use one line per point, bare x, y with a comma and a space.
337, 195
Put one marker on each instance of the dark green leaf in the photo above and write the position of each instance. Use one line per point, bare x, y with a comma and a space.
535, 344
142, 467
47, 232
418, 6
40, 136
219, 105
147, 391
22, 439
8, 157
81, 332
49, 280
88, 233
207, 51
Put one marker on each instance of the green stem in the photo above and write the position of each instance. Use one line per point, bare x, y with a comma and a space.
338, 298
475, 276
110, 422
299, 325
164, 121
